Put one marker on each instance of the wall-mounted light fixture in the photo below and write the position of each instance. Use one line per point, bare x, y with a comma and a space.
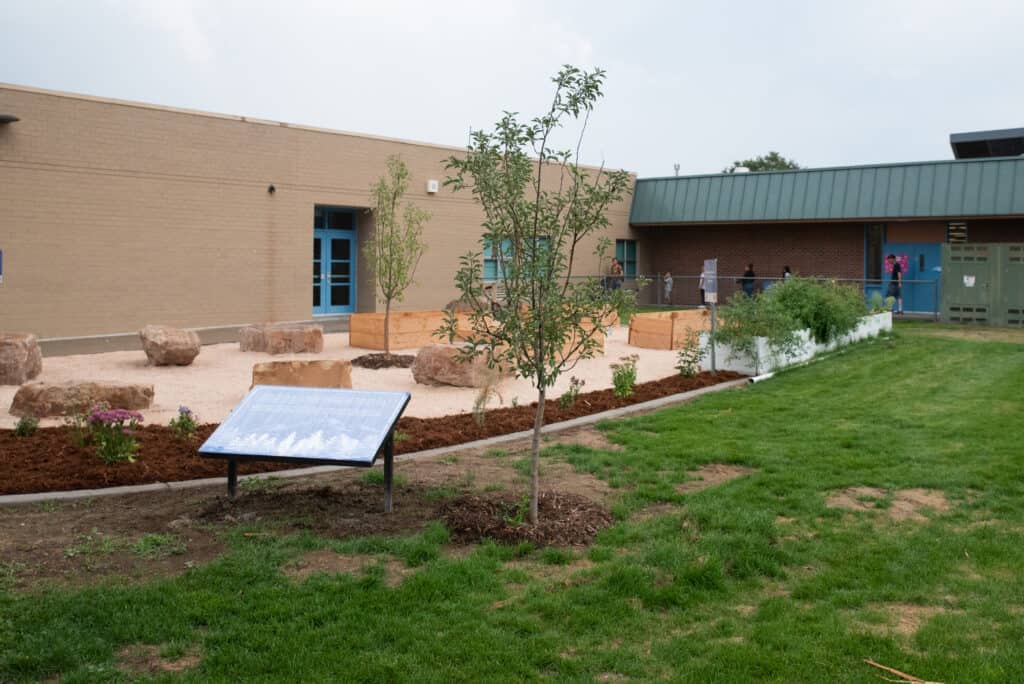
271, 189
8, 118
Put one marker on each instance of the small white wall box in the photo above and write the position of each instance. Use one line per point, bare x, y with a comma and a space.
432, 186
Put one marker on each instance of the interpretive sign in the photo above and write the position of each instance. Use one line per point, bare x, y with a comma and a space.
308, 425
711, 281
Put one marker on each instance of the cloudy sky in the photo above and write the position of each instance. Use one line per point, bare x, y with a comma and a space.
694, 83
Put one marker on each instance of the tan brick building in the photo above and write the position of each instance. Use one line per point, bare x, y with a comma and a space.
118, 214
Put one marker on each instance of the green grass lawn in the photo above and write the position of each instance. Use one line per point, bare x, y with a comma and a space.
754, 580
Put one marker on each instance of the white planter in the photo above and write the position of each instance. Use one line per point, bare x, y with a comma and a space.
807, 349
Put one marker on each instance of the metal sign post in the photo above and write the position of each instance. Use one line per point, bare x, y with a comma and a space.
711, 297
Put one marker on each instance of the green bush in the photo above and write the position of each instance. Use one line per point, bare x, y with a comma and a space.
26, 427
744, 319
829, 310
689, 355
624, 376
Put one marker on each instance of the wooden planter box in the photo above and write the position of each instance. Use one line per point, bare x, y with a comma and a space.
409, 329
666, 329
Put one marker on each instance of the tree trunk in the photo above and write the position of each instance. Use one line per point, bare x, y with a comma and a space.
538, 423
387, 327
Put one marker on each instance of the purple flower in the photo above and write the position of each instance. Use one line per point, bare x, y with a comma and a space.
185, 410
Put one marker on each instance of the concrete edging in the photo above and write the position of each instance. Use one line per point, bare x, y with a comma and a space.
582, 421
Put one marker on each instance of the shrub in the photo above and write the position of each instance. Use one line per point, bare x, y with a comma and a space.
689, 355
26, 427
112, 431
744, 319
184, 425
77, 423
624, 376
877, 303
568, 398
829, 310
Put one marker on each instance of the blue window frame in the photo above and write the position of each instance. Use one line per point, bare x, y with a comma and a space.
625, 252
494, 260
334, 260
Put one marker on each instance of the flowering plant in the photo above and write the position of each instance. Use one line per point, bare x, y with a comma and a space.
113, 433
184, 425
569, 397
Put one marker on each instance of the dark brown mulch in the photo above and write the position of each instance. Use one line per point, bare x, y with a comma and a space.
49, 461
376, 361
563, 519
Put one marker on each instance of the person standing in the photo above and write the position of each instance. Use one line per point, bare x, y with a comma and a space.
786, 273
667, 279
747, 281
617, 274
895, 289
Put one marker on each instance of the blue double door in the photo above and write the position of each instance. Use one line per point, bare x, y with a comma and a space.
922, 276
334, 260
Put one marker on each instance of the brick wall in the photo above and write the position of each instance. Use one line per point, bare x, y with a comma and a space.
114, 215
835, 250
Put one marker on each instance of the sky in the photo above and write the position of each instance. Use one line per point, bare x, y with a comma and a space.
698, 84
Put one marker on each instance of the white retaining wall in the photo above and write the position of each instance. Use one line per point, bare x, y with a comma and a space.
869, 326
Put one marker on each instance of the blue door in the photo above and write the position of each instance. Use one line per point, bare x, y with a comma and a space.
923, 274
334, 260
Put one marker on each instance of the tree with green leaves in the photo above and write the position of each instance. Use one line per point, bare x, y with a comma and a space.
773, 161
394, 250
540, 211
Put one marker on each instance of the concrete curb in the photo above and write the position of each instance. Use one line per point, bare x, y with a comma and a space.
583, 421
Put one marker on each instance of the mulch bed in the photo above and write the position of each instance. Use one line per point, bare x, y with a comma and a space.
562, 519
49, 461
378, 361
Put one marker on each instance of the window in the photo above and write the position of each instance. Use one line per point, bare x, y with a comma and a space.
625, 252
956, 232
493, 261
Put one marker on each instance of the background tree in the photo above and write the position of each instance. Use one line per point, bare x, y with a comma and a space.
395, 248
538, 210
773, 161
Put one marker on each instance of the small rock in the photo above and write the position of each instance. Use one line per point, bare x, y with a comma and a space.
333, 373
282, 338
42, 399
438, 364
166, 346
20, 358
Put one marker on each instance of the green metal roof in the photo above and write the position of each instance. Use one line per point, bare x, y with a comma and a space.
953, 188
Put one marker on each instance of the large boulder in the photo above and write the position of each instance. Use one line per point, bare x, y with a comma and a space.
282, 338
438, 364
166, 346
334, 373
42, 399
20, 358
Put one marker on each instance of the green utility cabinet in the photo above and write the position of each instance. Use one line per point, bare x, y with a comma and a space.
983, 283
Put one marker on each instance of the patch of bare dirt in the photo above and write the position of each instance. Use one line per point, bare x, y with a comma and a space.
332, 563
588, 437
377, 361
902, 619
906, 504
563, 519
146, 659
711, 475
855, 498
654, 511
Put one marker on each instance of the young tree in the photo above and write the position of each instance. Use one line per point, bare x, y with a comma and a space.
773, 161
395, 248
538, 211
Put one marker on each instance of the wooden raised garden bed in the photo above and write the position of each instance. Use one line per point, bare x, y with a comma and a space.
666, 329
409, 329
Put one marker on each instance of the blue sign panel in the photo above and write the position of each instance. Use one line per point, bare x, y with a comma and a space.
306, 423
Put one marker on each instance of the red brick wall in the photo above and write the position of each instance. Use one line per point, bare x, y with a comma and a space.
835, 250
995, 230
